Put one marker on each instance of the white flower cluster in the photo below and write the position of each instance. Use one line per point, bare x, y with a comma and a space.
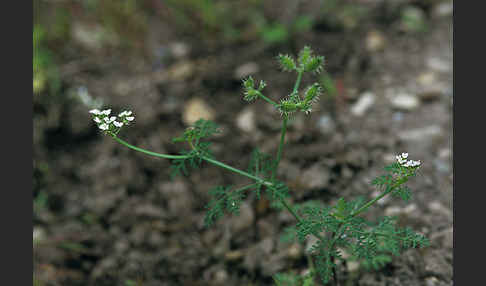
402, 160
111, 123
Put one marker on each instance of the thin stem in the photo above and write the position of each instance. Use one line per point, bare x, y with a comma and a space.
280, 147
297, 82
244, 188
385, 234
370, 203
243, 173
290, 208
166, 156
268, 99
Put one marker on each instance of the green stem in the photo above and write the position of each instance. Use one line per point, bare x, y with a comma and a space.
289, 207
166, 156
280, 147
243, 173
385, 234
222, 165
241, 189
297, 82
370, 203
268, 99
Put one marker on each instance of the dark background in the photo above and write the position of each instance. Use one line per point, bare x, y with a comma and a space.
105, 215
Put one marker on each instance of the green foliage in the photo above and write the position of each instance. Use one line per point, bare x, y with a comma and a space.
292, 279
261, 164
323, 251
328, 84
277, 193
42, 61
274, 33
180, 166
377, 262
315, 220
202, 129
413, 19
224, 199
336, 226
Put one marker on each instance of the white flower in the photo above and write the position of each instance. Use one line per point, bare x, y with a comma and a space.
400, 160
125, 113
106, 119
407, 163
113, 118
414, 163
118, 124
97, 120
106, 112
95, 111
130, 118
103, 126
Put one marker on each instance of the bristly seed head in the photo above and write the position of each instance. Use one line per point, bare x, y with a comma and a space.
286, 62
310, 63
312, 93
250, 93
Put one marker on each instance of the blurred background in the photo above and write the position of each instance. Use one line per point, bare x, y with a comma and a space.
106, 215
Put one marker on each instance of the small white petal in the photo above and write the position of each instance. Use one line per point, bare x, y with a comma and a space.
106, 111
113, 118
104, 126
118, 124
106, 119
95, 111
97, 120
404, 155
130, 118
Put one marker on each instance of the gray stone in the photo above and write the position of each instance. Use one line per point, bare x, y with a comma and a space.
404, 101
435, 263
427, 133
243, 221
326, 124
438, 64
197, 109
437, 207
365, 101
246, 70
179, 50
443, 9
245, 120
375, 41
181, 70
316, 177
38, 235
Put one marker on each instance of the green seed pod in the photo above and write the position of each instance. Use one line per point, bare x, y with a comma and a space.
312, 94
314, 64
251, 94
286, 62
288, 106
248, 83
304, 56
